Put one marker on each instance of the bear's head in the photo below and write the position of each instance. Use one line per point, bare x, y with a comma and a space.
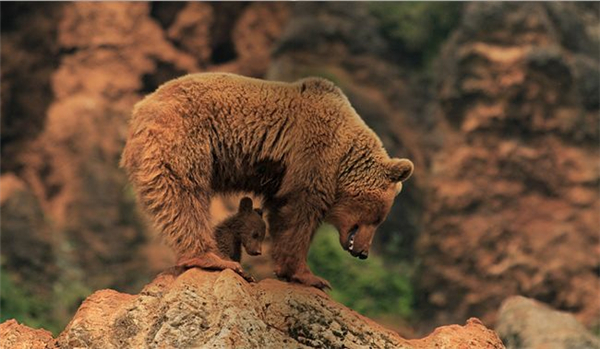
359, 211
253, 227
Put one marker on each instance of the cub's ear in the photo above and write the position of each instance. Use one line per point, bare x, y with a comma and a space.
399, 169
245, 205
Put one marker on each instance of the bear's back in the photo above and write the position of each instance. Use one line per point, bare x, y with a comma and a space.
223, 84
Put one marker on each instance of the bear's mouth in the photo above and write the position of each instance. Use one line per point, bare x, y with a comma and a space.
351, 235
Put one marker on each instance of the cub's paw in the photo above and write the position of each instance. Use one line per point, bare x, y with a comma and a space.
248, 277
282, 273
309, 279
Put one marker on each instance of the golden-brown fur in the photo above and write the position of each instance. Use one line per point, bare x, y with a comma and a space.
301, 146
244, 228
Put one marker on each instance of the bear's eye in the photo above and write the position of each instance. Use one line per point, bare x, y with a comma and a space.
255, 236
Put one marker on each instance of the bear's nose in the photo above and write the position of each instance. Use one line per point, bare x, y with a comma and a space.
363, 255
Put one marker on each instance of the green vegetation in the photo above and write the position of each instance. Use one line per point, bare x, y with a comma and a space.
16, 303
596, 329
367, 286
51, 309
416, 28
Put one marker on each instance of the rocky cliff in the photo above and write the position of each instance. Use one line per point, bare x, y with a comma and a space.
513, 205
201, 309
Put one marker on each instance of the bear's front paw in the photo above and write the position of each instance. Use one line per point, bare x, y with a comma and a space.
238, 269
309, 279
211, 261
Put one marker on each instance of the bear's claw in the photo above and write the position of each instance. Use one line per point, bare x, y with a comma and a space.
311, 280
211, 261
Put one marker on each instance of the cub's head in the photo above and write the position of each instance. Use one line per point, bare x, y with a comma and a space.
359, 210
253, 227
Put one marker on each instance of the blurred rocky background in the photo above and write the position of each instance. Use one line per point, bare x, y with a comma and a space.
497, 104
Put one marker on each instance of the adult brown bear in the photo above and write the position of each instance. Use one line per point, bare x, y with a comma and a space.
301, 146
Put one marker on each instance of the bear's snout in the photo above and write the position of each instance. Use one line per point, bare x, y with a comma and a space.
361, 255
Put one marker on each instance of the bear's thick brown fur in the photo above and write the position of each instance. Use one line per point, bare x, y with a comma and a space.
301, 146
244, 228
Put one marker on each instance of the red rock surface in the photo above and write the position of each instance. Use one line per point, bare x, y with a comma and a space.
72, 165
16, 336
513, 205
191, 30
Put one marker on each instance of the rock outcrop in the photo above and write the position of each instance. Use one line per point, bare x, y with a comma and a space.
16, 336
200, 309
526, 323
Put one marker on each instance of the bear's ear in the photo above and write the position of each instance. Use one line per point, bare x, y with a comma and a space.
315, 84
245, 205
399, 169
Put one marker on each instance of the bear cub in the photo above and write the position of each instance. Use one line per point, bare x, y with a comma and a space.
245, 228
